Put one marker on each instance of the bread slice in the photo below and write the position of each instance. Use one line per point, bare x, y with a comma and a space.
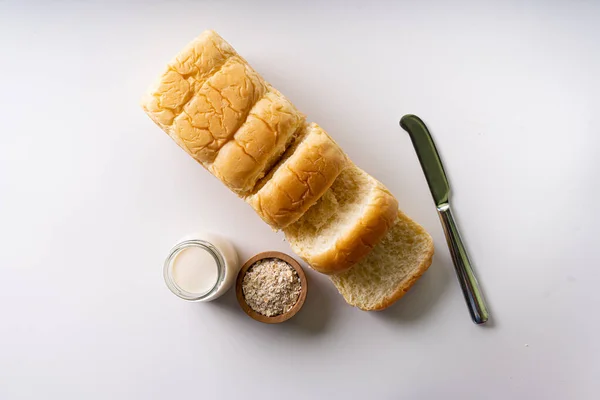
393, 266
307, 169
345, 224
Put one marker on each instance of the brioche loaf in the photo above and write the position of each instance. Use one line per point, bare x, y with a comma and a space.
393, 266
334, 215
345, 224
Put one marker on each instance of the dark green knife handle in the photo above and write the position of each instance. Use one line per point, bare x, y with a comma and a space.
440, 190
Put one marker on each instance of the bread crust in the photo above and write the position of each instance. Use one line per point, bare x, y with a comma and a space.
222, 112
259, 142
300, 180
192, 66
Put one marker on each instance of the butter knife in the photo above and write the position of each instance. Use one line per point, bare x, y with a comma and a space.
440, 190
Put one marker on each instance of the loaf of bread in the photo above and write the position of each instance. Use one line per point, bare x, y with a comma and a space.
295, 176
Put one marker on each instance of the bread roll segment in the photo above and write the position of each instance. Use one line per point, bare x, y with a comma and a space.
345, 224
259, 143
306, 171
217, 109
197, 62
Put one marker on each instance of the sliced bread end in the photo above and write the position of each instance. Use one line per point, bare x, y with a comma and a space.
390, 270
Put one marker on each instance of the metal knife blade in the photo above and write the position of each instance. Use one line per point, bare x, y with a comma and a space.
428, 157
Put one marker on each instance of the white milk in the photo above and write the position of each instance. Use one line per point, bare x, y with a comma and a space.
192, 272
195, 270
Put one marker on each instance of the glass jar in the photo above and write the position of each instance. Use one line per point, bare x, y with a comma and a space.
201, 267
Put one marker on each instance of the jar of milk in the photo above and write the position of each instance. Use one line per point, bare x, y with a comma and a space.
201, 267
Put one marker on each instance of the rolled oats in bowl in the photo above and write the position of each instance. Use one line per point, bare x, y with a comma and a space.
271, 287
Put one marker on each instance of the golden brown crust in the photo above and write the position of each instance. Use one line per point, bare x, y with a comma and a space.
378, 217
260, 141
197, 62
218, 109
222, 113
204, 96
300, 180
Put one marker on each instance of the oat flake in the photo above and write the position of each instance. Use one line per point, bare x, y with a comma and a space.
271, 287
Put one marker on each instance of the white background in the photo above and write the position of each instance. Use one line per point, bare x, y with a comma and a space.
93, 195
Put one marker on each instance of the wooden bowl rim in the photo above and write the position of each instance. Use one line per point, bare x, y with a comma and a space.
242, 300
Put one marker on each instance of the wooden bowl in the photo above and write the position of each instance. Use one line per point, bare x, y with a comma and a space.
277, 318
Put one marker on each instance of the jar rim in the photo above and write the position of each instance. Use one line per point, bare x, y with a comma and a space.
168, 267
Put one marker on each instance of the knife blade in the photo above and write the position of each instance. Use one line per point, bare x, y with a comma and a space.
428, 157
440, 190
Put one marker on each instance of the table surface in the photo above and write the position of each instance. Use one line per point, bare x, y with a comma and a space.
93, 195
